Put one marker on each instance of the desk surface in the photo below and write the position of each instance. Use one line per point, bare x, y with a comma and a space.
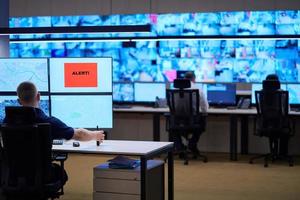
143, 109
137, 148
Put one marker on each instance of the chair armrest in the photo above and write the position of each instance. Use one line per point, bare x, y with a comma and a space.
293, 126
204, 114
61, 157
167, 114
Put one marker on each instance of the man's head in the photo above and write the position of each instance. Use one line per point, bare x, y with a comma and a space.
28, 94
190, 75
272, 77
271, 83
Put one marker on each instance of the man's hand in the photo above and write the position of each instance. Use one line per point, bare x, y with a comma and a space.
82, 134
99, 135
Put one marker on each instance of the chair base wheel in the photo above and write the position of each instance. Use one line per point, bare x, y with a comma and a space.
273, 158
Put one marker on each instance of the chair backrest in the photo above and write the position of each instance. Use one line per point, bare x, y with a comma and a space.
271, 85
20, 115
272, 111
26, 164
181, 83
183, 102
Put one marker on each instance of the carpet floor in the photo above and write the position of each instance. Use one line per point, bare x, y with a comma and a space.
217, 179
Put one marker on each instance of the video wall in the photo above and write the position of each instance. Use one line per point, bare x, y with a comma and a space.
76, 90
218, 60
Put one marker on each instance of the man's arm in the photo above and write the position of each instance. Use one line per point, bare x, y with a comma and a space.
82, 134
203, 102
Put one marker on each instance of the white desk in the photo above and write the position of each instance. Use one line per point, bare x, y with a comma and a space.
144, 109
144, 149
234, 116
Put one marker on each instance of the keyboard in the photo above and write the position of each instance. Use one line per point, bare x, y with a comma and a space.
122, 106
295, 109
57, 142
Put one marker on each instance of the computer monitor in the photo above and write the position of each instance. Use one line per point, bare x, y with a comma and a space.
258, 87
294, 94
148, 91
123, 92
181, 73
80, 75
221, 94
13, 71
13, 101
83, 111
201, 86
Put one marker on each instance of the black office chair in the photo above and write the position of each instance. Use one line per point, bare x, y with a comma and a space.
273, 121
184, 117
26, 168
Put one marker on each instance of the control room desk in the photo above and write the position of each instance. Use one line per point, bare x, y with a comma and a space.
235, 115
144, 149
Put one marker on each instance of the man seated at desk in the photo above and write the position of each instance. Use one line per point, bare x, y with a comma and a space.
283, 142
203, 107
28, 95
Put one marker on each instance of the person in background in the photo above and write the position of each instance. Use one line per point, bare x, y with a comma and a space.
203, 100
283, 142
203, 107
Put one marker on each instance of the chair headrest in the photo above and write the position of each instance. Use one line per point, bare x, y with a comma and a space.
271, 85
20, 115
182, 83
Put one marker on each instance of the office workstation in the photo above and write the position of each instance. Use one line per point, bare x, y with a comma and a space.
236, 117
135, 57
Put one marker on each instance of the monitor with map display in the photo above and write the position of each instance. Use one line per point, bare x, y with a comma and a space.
13, 101
16, 70
83, 111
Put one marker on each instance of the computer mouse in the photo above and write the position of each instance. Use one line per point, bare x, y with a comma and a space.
76, 144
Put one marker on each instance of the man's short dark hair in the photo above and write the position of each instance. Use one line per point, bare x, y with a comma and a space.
26, 91
272, 77
190, 75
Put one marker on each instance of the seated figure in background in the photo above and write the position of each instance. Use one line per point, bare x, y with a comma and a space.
193, 141
283, 142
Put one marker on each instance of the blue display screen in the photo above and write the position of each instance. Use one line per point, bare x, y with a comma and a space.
123, 92
294, 93
221, 94
13, 101
258, 87
147, 92
157, 61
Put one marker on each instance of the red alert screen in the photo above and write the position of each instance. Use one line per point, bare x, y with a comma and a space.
80, 74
